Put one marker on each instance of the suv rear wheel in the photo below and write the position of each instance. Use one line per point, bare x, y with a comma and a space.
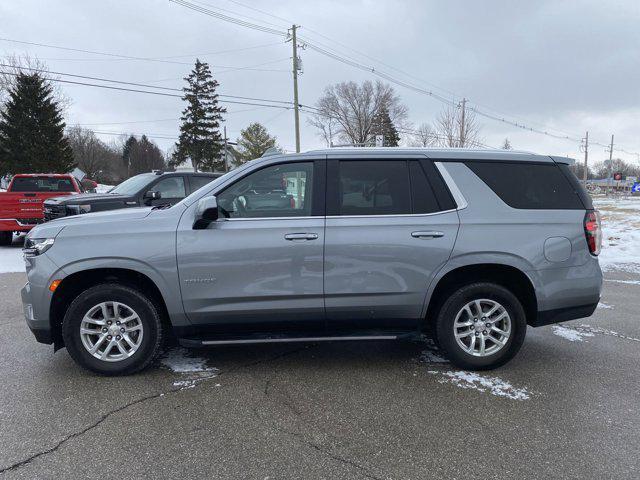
481, 326
112, 329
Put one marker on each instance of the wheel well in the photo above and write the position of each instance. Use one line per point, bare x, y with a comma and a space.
510, 278
76, 283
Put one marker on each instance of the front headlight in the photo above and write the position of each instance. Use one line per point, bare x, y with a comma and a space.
36, 246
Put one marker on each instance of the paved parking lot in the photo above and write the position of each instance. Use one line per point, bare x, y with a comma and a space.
566, 407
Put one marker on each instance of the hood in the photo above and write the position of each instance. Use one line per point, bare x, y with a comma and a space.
83, 198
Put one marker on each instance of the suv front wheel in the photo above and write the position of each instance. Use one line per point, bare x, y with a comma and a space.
112, 329
481, 326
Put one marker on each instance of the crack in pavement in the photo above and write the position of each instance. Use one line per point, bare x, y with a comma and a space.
268, 385
105, 416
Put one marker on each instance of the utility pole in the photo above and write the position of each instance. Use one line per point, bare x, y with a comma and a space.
295, 85
586, 155
462, 132
610, 166
226, 164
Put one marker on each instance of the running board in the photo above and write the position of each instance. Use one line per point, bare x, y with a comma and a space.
195, 342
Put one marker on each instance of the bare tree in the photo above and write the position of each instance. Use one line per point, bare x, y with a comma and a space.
424, 136
27, 64
92, 155
454, 132
346, 111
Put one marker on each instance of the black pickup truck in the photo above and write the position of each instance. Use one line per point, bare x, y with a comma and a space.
146, 189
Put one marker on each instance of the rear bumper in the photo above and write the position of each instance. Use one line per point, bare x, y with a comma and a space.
13, 225
547, 317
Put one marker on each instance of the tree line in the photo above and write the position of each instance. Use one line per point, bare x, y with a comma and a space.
34, 137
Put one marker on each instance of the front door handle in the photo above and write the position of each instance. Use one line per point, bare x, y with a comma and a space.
301, 236
427, 234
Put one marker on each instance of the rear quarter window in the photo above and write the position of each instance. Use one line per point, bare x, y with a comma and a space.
541, 186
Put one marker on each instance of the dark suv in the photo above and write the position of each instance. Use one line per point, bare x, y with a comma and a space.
146, 189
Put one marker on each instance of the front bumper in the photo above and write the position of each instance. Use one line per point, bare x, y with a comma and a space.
40, 328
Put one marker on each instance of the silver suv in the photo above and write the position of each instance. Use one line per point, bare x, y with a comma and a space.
466, 246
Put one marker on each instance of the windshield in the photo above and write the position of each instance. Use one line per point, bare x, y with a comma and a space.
133, 184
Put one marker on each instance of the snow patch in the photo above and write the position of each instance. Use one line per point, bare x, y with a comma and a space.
603, 331
494, 385
628, 282
620, 234
571, 334
194, 369
11, 259
604, 306
103, 188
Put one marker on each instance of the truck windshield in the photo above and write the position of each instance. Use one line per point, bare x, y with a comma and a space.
133, 185
42, 184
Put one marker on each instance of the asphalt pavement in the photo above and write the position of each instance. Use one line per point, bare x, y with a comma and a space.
566, 407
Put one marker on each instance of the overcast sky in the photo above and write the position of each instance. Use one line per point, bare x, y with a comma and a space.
562, 66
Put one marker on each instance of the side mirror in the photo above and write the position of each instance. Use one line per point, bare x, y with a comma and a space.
151, 195
206, 212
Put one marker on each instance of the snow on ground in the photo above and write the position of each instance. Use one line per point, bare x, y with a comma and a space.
482, 383
192, 370
571, 334
11, 257
103, 188
620, 233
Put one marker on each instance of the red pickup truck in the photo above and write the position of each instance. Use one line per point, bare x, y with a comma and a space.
21, 204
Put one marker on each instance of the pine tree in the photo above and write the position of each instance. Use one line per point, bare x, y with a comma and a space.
254, 141
200, 138
383, 125
32, 130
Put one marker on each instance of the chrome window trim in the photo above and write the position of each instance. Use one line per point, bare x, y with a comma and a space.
394, 215
458, 197
253, 219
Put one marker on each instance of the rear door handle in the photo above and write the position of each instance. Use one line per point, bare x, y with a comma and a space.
301, 236
427, 234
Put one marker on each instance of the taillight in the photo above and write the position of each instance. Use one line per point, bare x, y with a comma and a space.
593, 231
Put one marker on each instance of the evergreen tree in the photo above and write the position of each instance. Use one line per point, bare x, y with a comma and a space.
383, 125
254, 141
200, 138
32, 130
140, 156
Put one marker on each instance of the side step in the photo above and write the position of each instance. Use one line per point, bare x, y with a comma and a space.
280, 338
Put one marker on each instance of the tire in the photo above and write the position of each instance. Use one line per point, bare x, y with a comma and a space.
6, 239
489, 295
121, 302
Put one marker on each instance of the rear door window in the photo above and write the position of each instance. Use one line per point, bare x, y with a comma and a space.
528, 185
373, 188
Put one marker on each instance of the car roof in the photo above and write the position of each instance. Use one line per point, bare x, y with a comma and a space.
446, 154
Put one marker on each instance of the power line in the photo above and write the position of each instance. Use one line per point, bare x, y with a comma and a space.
163, 94
134, 84
228, 18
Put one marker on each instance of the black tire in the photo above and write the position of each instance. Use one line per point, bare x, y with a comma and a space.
458, 299
6, 238
149, 317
